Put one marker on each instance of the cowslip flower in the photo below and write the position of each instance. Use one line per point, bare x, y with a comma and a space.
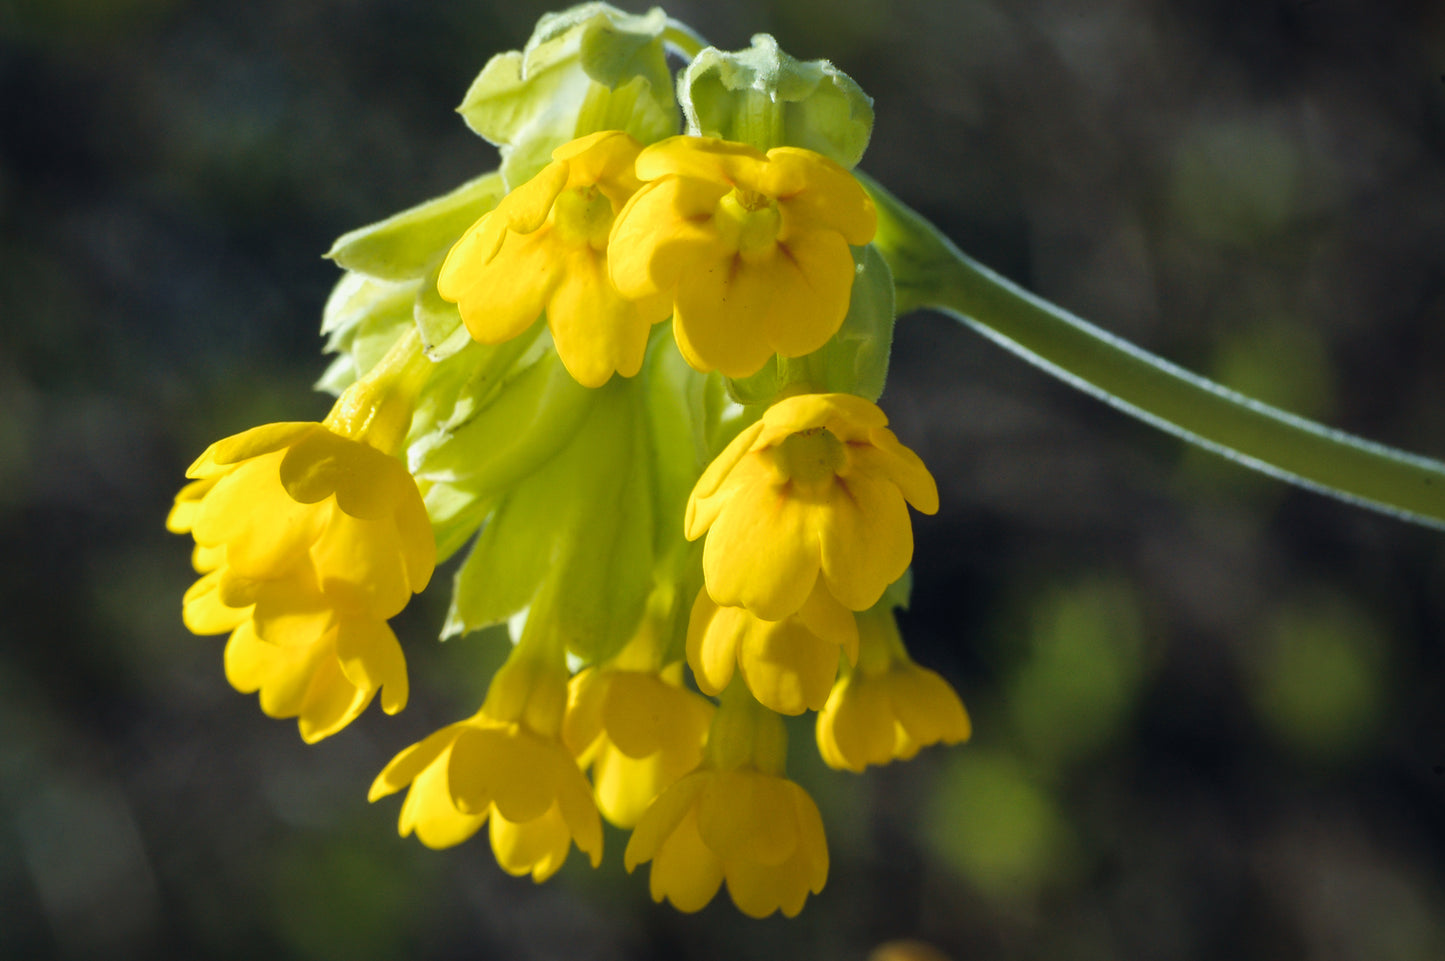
639, 732
738, 819
505, 765
888, 707
788, 665
307, 539
814, 492
751, 249
545, 247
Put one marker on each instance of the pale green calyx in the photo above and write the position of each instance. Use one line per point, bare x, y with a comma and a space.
585, 69
762, 96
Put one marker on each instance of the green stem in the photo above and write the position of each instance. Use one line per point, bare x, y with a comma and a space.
931, 272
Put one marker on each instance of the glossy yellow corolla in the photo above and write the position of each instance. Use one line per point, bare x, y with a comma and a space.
751, 249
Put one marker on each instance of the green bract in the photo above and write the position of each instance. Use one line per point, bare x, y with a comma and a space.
586, 69
762, 96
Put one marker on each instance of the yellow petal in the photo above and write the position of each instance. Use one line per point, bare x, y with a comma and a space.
471, 253
706, 158
788, 668
371, 659
418, 542
248, 444
289, 675
720, 321
508, 769
664, 228
264, 530
537, 847
332, 702
366, 482
203, 611
183, 511
291, 613
246, 659
361, 565
702, 505
577, 808
411, 761
830, 620
429, 813
527, 207
861, 724
605, 158
866, 540
713, 636
662, 818
762, 553
582, 724
506, 296
685, 871
625, 786
597, 333
884, 456
928, 707
816, 193
746, 815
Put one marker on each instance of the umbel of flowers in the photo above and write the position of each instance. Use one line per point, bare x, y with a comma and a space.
634, 371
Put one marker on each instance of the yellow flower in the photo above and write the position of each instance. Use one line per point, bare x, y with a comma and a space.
812, 493
759, 832
308, 541
788, 665
736, 819
297, 500
324, 683
887, 708
639, 731
752, 249
545, 248
505, 765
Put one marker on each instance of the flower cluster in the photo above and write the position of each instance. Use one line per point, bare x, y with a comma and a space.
715, 498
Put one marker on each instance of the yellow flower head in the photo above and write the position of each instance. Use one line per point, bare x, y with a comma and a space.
788, 665
507, 765
759, 832
545, 248
324, 682
888, 708
813, 492
736, 819
750, 248
297, 500
307, 541
639, 731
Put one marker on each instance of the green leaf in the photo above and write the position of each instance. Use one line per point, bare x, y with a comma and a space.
405, 245
929, 271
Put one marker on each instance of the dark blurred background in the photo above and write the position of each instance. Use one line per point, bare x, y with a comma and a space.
1208, 707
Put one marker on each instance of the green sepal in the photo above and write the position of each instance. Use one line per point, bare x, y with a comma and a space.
585, 69
764, 97
405, 246
527, 420
574, 541
455, 515
438, 321
604, 570
363, 317
853, 361
679, 429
